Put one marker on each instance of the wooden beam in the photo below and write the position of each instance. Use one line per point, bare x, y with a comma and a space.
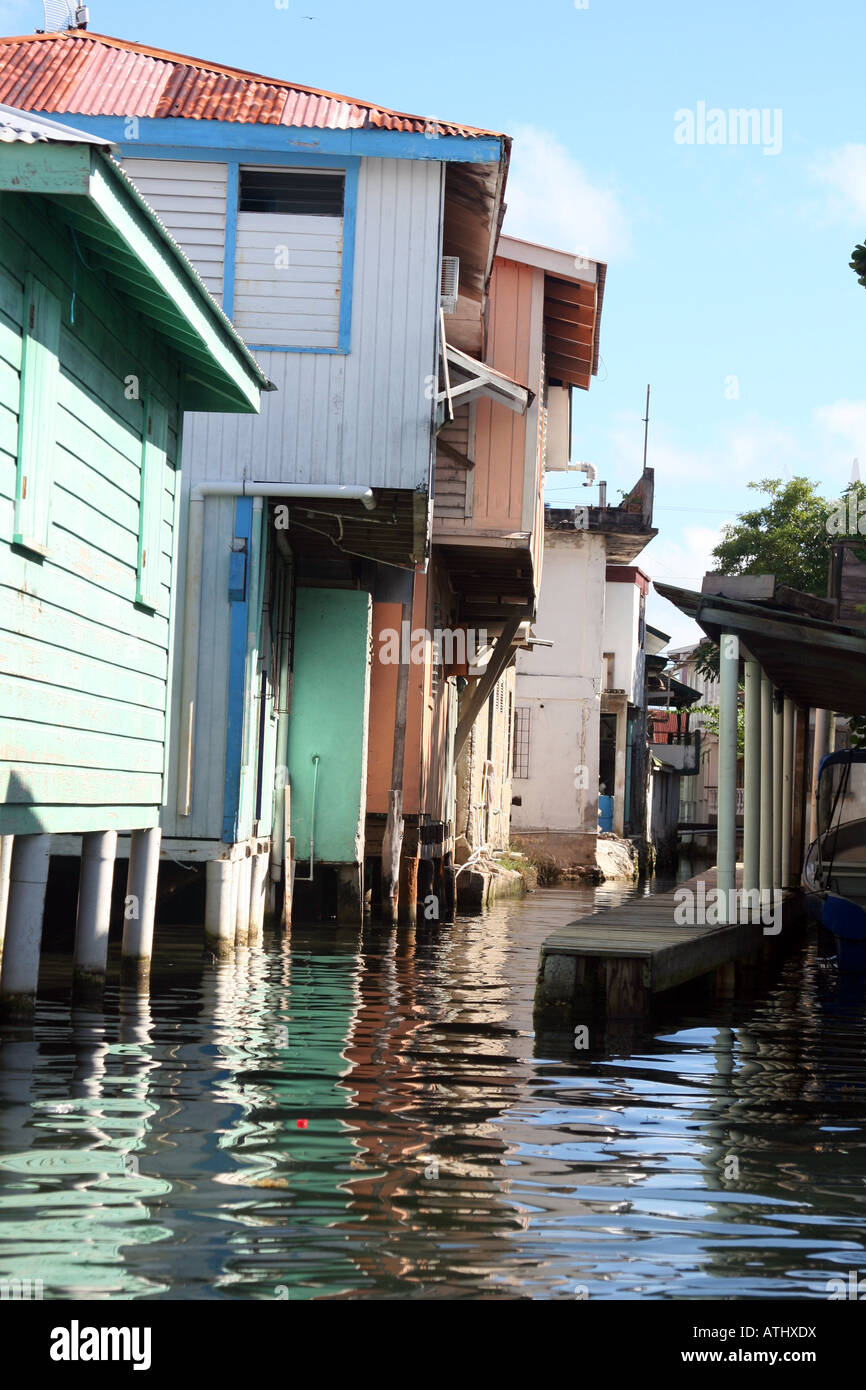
499, 659
442, 447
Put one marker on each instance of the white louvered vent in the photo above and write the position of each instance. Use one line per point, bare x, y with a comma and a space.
450, 284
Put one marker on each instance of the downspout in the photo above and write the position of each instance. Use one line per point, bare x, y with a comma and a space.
253, 610
192, 614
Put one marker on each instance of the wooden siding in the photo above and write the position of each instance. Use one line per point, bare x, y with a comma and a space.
190, 197
500, 441
287, 279
362, 417
452, 490
84, 687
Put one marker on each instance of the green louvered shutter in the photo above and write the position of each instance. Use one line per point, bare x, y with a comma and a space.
150, 517
37, 415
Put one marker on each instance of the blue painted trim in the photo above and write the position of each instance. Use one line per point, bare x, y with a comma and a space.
237, 681
178, 132
232, 200
271, 347
134, 149
347, 267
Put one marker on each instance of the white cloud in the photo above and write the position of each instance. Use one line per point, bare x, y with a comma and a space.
682, 561
551, 200
844, 172
845, 424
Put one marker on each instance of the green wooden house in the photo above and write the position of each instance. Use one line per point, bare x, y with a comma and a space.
107, 335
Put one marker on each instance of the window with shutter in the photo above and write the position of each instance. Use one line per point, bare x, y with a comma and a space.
153, 454
37, 415
289, 260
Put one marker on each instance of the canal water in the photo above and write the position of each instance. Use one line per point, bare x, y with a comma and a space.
369, 1115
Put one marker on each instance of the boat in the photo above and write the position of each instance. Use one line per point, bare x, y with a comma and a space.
834, 874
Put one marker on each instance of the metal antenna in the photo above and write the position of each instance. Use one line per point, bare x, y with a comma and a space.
646, 428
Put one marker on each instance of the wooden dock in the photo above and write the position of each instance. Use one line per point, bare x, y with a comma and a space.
612, 962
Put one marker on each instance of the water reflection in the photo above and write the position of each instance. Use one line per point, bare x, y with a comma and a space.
369, 1115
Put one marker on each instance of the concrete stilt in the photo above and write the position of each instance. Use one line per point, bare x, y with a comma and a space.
5, 870
28, 877
220, 908
140, 906
242, 913
258, 890
98, 852
350, 894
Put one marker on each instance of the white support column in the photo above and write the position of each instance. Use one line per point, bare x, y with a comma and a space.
5, 870
820, 747
28, 876
765, 868
619, 779
787, 789
140, 909
752, 779
726, 859
220, 907
778, 786
98, 852
242, 914
258, 887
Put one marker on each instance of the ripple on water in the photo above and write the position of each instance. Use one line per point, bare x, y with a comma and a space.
159, 1147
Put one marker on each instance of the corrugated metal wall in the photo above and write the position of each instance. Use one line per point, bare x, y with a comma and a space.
361, 418
190, 197
365, 417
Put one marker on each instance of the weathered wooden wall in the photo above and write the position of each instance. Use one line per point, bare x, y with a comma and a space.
85, 668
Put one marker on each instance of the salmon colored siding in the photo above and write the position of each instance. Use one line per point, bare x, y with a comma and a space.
500, 440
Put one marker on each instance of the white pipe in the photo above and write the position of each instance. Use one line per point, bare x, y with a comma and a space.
247, 487
98, 851
726, 859
191, 629
752, 779
249, 737
218, 487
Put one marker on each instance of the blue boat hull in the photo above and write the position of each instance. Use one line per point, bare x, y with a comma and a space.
847, 921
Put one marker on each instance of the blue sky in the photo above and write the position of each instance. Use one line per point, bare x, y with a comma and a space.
724, 261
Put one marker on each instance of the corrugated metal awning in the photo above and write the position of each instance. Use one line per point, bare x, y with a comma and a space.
816, 663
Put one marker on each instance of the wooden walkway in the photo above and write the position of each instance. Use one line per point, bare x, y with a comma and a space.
614, 961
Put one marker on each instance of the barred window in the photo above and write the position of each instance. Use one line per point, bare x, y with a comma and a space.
521, 741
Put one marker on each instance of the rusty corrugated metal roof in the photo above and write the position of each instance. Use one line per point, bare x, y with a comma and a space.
96, 75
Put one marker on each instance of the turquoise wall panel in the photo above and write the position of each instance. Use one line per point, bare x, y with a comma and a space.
330, 700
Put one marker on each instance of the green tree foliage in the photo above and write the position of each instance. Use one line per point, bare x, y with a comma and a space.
710, 721
787, 536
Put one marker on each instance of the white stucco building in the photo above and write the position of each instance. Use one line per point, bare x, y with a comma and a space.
577, 699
